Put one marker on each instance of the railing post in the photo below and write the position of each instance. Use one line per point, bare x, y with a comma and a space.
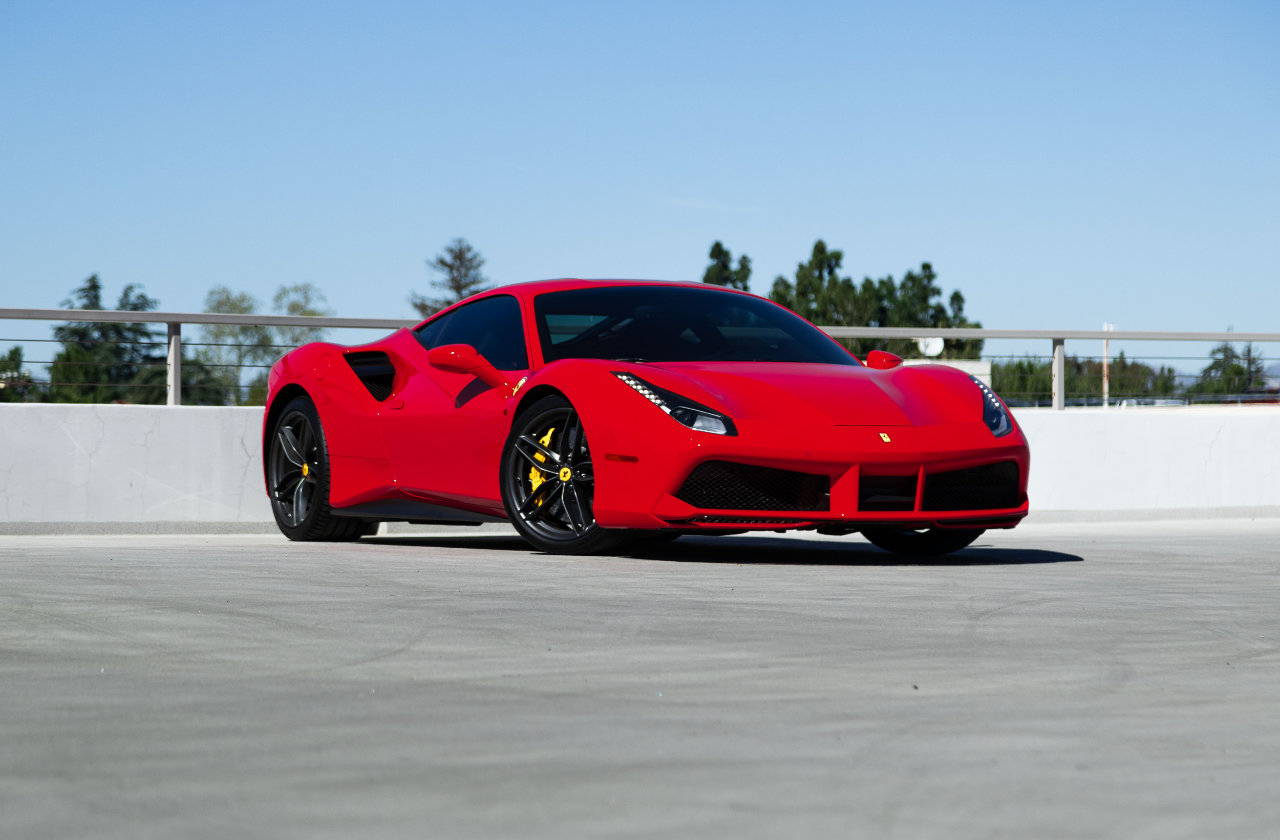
1059, 374
175, 364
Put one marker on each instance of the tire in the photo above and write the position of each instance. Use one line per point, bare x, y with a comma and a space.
298, 478
548, 483
931, 542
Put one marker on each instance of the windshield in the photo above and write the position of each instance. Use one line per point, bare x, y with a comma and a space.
675, 324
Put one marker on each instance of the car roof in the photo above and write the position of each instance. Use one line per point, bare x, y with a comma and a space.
532, 288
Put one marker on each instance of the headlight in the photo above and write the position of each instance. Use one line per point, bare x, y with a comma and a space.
994, 413
695, 415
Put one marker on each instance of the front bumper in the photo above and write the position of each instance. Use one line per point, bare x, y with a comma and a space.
641, 493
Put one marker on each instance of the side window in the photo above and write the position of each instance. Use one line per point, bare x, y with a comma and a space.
493, 326
428, 335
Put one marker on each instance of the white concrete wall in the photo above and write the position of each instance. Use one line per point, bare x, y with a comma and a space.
151, 468
1153, 462
131, 464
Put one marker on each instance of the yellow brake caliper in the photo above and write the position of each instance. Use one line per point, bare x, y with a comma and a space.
535, 475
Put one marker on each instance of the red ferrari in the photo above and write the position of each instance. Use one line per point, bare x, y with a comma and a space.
587, 413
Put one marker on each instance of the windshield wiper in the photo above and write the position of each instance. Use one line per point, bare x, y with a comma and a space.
641, 361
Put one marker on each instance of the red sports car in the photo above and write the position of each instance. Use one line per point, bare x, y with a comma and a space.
587, 413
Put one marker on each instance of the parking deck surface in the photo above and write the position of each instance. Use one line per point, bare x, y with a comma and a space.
1103, 680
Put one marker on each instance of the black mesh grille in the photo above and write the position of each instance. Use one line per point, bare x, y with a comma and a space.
375, 370
887, 492
723, 485
989, 487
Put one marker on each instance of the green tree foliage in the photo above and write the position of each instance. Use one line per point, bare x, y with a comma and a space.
820, 295
1030, 380
233, 353
104, 362
1230, 371
304, 300
228, 349
459, 264
721, 271
101, 362
16, 384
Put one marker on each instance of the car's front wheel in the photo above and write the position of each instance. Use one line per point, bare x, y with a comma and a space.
927, 542
298, 478
548, 483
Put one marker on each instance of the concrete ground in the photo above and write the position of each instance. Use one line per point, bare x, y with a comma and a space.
1115, 680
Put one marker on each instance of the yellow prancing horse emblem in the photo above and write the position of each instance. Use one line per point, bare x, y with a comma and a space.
884, 437
565, 473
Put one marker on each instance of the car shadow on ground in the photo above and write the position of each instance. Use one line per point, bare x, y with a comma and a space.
775, 551
793, 552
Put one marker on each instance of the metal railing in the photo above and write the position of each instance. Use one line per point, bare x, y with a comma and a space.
175, 320
1057, 337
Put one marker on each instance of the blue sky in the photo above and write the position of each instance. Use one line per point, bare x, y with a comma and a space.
1061, 165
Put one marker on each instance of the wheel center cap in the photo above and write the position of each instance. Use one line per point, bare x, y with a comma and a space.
306, 470
565, 473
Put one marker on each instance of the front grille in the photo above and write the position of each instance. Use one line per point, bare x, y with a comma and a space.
887, 492
724, 485
989, 487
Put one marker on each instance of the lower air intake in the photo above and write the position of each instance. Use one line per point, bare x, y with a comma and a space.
989, 487
887, 492
724, 485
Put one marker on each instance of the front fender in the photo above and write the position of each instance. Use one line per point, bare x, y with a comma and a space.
635, 446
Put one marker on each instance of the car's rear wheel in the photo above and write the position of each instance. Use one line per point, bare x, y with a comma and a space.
927, 542
548, 483
298, 478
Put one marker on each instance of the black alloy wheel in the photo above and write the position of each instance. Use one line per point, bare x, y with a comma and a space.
928, 542
548, 483
298, 478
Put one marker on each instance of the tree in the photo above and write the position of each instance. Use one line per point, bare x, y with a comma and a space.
460, 266
228, 350
304, 300
1230, 371
1029, 381
820, 295
99, 362
917, 302
106, 362
261, 345
721, 271
16, 384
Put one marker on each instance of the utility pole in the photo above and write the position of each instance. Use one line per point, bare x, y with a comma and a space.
1106, 374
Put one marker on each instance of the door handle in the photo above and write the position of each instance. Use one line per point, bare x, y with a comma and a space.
395, 404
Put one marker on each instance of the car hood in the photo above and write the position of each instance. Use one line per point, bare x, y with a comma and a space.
827, 394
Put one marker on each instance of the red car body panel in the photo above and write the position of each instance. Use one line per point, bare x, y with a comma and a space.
434, 441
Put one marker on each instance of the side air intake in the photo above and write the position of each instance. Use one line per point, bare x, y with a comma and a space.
375, 370
724, 485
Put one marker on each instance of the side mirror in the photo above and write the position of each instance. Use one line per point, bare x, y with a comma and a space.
465, 359
880, 360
